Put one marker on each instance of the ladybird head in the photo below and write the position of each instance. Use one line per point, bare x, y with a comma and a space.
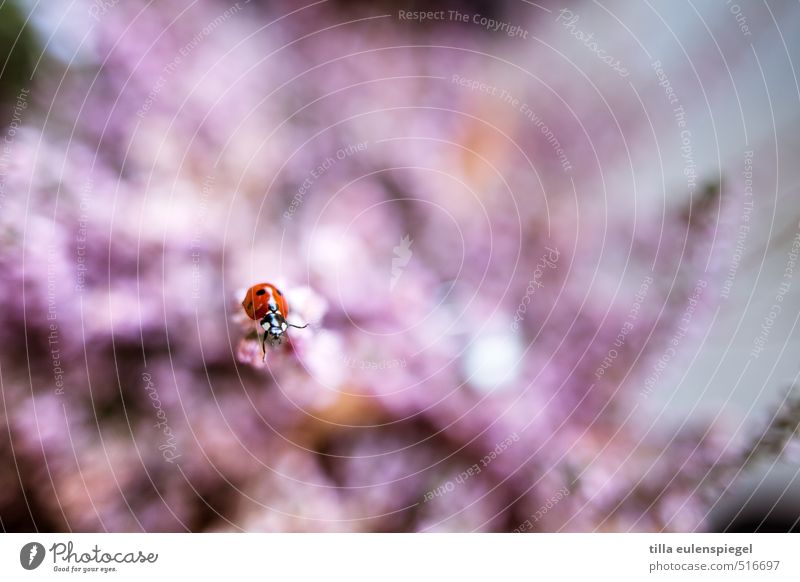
274, 326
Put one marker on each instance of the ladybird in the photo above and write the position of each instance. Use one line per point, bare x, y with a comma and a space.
266, 304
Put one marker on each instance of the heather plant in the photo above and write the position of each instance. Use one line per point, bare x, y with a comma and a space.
491, 299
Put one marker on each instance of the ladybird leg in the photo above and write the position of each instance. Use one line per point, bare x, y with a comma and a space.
264, 346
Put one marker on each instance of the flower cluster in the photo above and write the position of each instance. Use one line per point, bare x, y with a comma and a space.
199, 149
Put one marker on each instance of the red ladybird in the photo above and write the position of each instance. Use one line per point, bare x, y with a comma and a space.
266, 304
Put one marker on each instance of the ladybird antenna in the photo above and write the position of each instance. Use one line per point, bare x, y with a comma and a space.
297, 326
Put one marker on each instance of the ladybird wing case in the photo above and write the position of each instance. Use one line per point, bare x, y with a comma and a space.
280, 300
263, 298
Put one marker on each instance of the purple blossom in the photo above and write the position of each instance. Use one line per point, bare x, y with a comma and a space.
200, 149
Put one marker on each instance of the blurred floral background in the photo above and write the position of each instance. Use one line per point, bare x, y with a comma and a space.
548, 255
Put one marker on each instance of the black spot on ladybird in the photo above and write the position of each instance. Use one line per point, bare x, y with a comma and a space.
260, 292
